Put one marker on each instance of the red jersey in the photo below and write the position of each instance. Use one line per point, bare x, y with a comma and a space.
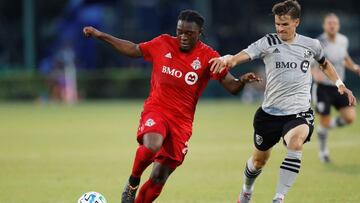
177, 78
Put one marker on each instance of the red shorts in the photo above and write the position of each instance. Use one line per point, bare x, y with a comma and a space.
176, 136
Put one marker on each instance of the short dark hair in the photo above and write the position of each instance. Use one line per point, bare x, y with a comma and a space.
288, 7
192, 16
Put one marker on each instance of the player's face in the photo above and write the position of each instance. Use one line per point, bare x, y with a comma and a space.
286, 27
188, 34
331, 25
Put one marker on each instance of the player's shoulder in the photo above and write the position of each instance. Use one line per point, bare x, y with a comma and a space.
164, 40
322, 37
308, 41
204, 51
205, 47
165, 37
269, 40
342, 38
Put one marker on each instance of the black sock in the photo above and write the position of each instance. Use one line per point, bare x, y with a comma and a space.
134, 181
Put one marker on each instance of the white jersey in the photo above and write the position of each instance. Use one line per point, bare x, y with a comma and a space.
288, 75
335, 52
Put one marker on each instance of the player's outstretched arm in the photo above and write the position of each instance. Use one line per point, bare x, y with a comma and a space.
122, 46
220, 63
349, 64
235, 85
331, 73
317, 75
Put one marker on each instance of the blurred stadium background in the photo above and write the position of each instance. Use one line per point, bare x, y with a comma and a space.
54, 153
39, 39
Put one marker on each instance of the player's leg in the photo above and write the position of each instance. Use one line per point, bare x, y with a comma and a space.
151, 135
152, 188
252, 170
268, 131
323, 134
170, 156
296, 132
145, 154
325, 98
347, 115
290, 166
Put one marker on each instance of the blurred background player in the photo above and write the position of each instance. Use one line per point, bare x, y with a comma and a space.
180, 73
326, 94
286, 110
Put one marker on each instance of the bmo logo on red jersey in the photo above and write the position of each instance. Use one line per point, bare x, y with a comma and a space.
190, 77
172, 71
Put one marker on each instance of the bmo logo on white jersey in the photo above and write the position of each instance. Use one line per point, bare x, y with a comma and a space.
190, 78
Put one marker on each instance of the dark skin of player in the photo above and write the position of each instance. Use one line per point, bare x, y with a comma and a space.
187, 33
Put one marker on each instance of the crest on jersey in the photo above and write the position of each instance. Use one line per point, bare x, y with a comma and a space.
258, 139
196, 64
304, 66
307, 54
150, 122
191, 78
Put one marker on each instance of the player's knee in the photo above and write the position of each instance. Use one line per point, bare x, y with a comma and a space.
325, 123
154, 147
159, 177
153, 142
295, 145
259, 163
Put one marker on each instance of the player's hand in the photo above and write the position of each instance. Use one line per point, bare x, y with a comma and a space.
90, 31
217, 65
221, 63
250, 77
345, 91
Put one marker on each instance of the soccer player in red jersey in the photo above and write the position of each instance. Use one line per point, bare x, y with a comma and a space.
179, 75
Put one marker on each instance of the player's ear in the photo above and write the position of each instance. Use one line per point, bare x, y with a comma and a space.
297, 21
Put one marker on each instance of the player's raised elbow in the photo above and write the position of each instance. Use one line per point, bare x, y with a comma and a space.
134, 51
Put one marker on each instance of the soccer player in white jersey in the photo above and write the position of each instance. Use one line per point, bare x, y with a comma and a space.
285, 112
335, 47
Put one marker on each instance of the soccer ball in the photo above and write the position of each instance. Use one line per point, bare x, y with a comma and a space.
92, 197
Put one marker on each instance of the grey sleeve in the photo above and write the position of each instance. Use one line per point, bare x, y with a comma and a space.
319, 52
257, 49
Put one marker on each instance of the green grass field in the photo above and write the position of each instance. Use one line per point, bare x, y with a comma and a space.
54, 153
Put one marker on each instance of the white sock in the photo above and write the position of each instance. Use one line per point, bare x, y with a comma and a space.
289, 170
322, 138
277, 195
